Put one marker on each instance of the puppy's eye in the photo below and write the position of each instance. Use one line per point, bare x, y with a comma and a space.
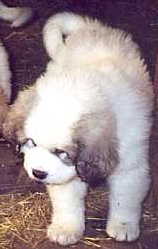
29, 142
59, 152
64, 156
26, 143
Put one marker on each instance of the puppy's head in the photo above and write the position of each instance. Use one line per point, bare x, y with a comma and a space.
45, 166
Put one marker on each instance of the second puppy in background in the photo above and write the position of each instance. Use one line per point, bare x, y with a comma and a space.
90, 112
17, 16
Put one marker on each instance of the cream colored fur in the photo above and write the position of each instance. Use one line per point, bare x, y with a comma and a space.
96, 91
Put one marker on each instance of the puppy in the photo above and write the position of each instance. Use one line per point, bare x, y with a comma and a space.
89, 113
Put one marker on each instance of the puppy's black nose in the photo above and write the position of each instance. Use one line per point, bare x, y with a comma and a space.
39, 174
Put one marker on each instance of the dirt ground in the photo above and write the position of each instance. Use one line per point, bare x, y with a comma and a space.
28, 60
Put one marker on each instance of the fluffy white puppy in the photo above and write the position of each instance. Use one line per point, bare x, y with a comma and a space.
90, 110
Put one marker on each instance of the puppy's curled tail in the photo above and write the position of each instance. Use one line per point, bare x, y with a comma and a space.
58, 27
16, 15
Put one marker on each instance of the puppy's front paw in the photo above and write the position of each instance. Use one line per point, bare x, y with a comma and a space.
123, 231
64, 234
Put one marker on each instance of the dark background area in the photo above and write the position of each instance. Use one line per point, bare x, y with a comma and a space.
28, 60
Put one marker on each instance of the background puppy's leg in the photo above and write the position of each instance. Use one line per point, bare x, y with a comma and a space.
130, 181
68, 219
16, 15
5, 86
5, 74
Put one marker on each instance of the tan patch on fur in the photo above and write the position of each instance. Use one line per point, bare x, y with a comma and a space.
14, 121
95, 163
97, 154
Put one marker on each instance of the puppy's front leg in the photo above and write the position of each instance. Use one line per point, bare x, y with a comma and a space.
68, 219
130, 181
127, 191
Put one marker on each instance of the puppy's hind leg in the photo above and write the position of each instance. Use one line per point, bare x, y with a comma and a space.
68, 219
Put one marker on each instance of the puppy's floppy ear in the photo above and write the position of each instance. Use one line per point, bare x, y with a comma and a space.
94, 163
90, 165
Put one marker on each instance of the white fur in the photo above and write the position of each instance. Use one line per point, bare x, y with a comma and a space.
16, 15
61, 24
66, 107
68, 219
41, 159
98, 73
5, 73
130, 181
